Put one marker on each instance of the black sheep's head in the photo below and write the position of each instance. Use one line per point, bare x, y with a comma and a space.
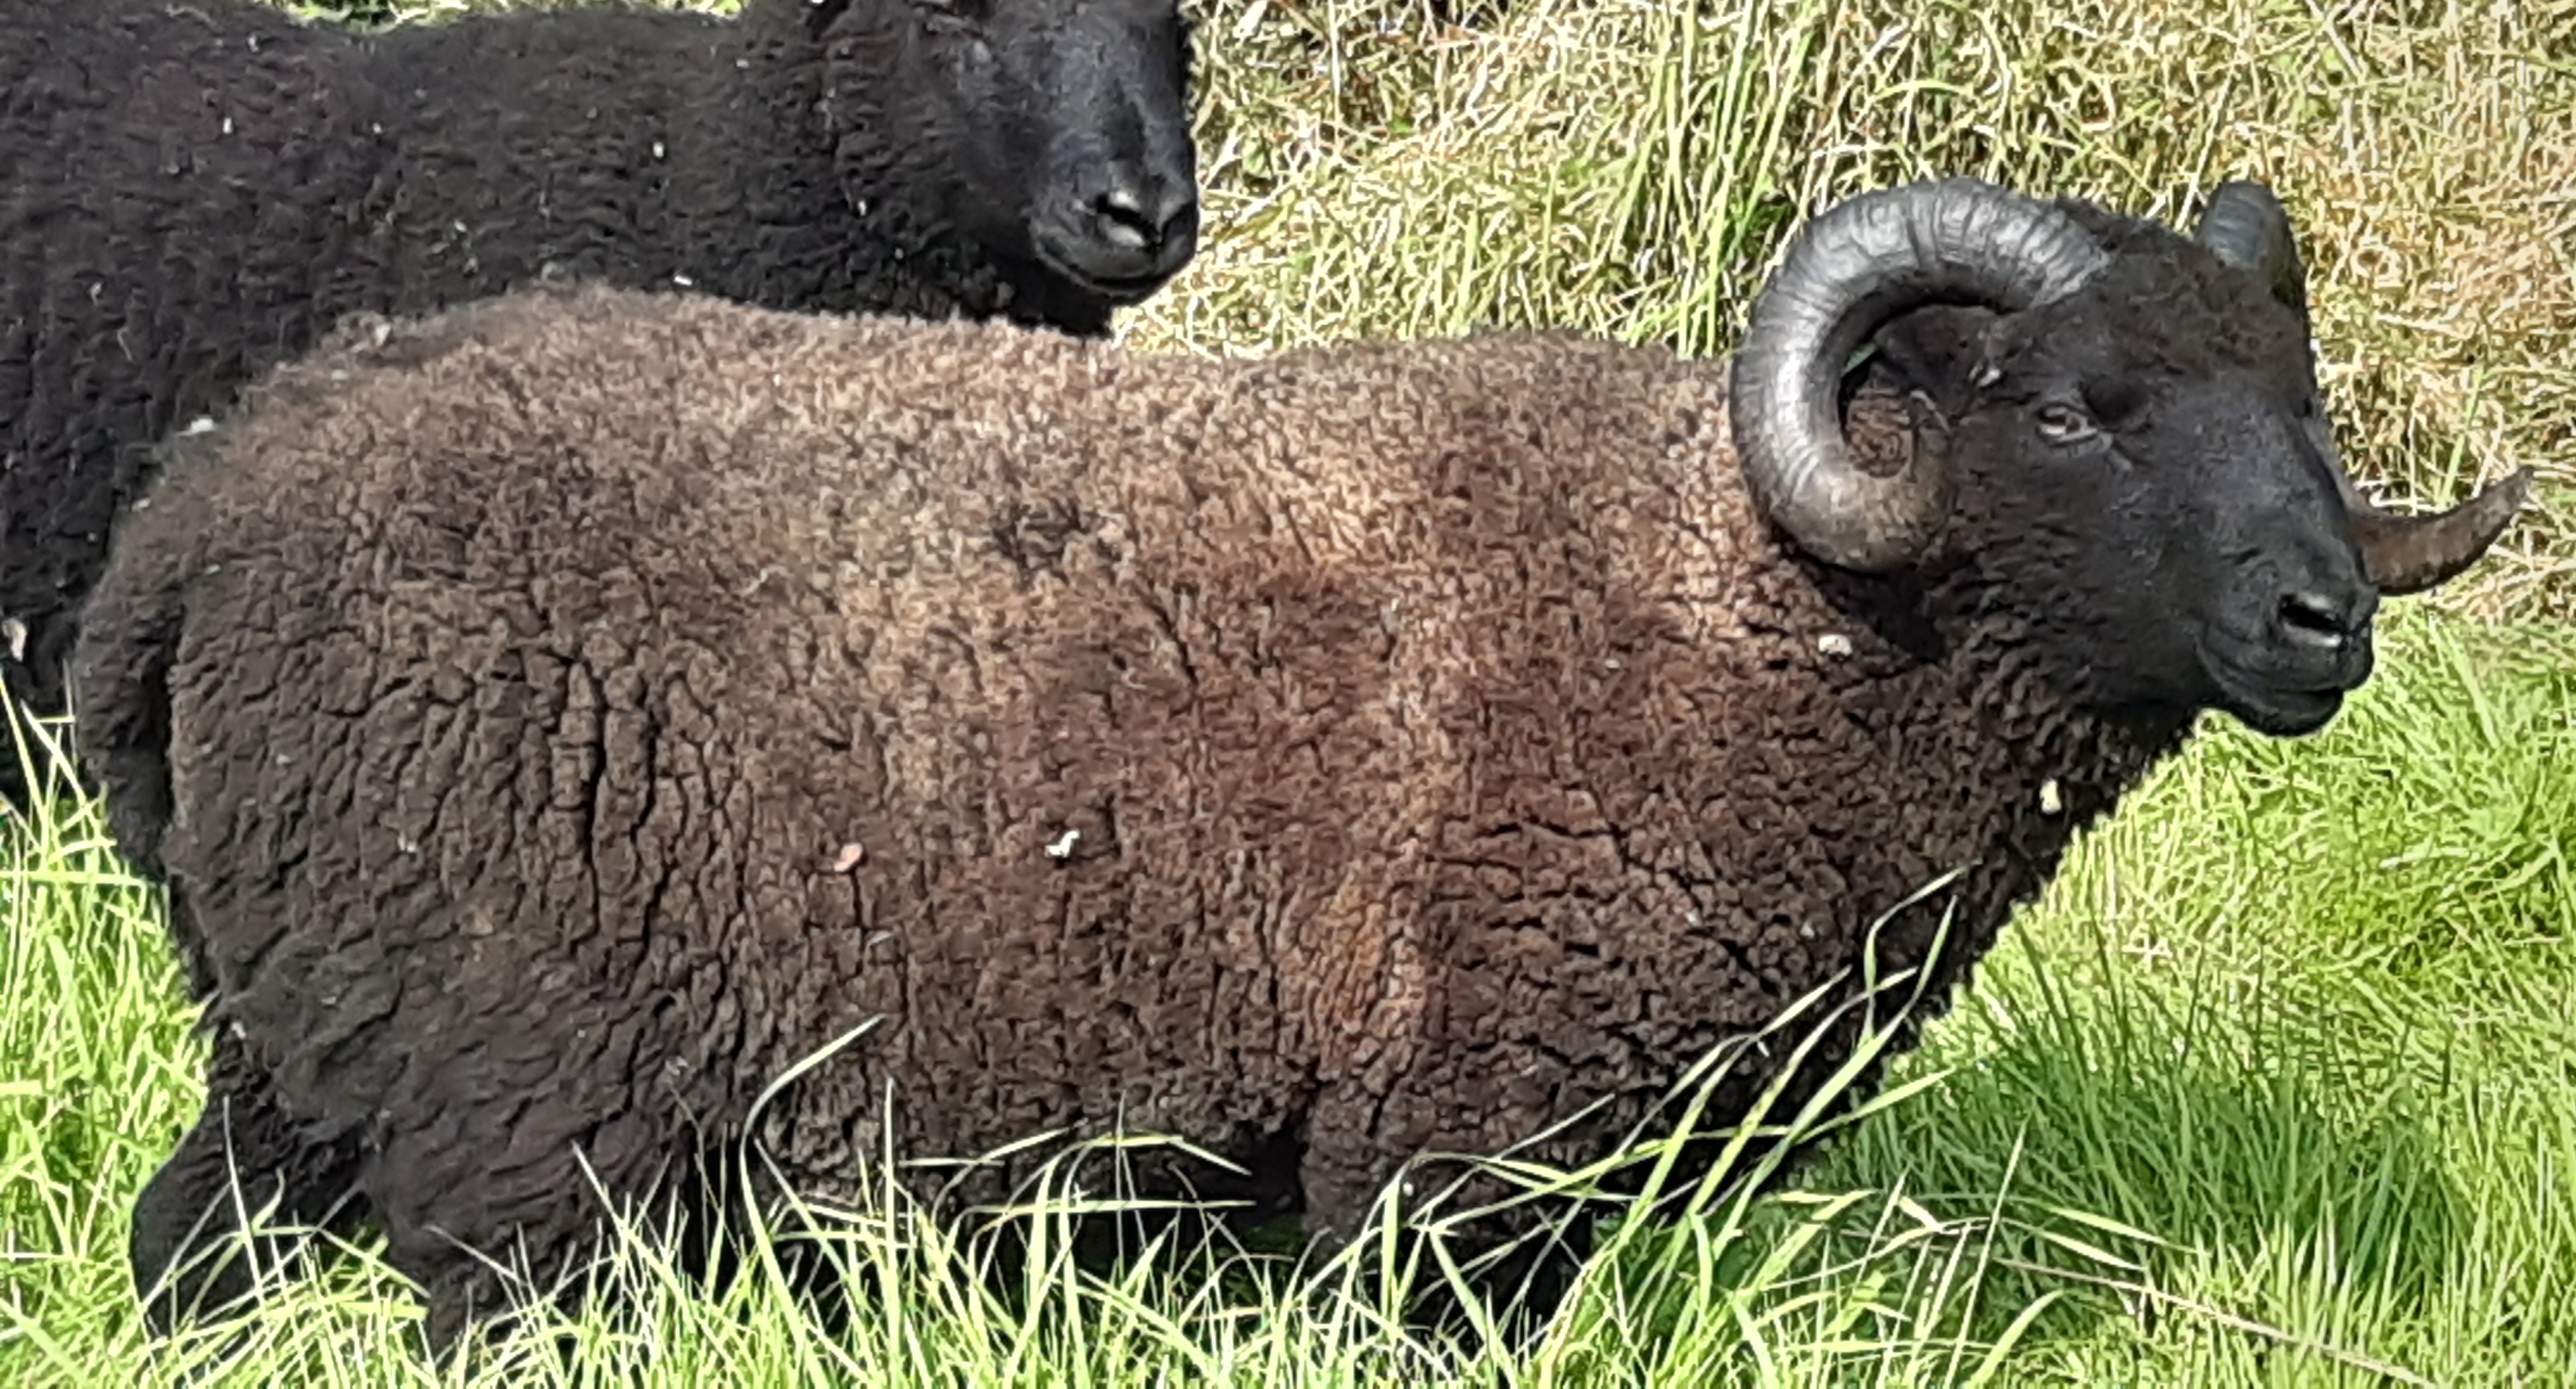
2113, 435
1060, 127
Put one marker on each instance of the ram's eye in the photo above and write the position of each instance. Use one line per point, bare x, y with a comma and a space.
2060, 423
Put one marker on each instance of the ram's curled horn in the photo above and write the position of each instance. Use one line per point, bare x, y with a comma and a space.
1851, 269
2246, 226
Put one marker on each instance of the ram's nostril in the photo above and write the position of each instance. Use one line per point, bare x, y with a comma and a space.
2315, 616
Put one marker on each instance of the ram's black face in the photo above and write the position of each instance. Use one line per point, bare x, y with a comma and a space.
2114, 459
1066, 124
2140, 476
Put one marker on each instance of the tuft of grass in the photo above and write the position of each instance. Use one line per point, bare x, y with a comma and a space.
2302, 1010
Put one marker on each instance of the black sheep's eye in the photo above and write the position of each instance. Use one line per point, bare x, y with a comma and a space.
2060, 423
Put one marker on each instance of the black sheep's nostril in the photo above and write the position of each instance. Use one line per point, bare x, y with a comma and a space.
1149, 217
2316, 617
1124, 232
1125, 224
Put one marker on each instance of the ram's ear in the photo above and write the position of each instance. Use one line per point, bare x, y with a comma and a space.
1916, 377
1938, 352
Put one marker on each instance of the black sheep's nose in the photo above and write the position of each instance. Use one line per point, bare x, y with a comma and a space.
1147, 220
1122, 231
2327, 617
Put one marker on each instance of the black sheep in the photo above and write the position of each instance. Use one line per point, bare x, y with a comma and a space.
196, 191
558, 721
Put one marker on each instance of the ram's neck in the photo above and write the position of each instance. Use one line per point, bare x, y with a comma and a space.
1993, 761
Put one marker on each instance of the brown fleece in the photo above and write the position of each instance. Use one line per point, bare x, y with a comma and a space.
559, 719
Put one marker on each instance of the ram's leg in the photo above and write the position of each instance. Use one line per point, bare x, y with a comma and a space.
1346, 1167
1519, 1259
493, 1204
222, 1213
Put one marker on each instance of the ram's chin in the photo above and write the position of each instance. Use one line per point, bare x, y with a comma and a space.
2283, 713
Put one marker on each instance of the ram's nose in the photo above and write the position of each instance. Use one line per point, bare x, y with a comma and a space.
2325, 617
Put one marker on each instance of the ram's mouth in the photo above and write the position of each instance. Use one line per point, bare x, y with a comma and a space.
2278, 694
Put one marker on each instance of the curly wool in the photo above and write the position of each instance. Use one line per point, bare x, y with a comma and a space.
197, 192
595, 704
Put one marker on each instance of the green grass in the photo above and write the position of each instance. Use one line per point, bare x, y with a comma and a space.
2273, 1089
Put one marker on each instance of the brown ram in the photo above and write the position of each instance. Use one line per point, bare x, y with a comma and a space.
556, 719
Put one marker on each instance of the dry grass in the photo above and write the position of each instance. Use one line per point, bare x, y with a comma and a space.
1628, 166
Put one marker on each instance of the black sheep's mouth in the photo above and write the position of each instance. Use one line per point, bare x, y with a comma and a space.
1120, 274
1118, 289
